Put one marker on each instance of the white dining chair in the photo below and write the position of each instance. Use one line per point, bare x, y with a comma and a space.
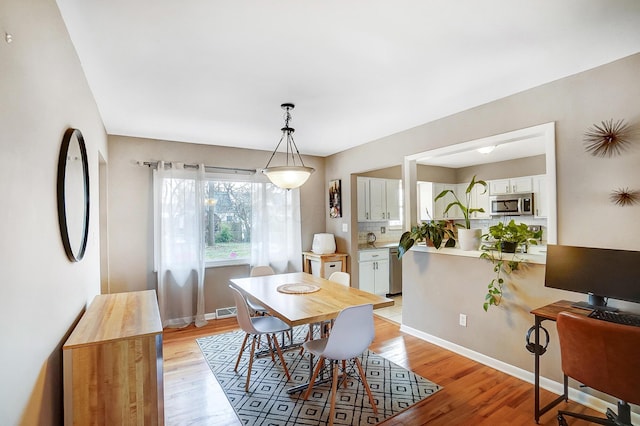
351, 335
341, 277
255, 327
259, 271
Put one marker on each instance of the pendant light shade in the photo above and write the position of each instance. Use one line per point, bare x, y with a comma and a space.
294, 173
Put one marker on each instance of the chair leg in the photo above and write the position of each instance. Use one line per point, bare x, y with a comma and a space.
253, 349
244, 342
366, 385
284, 364
271, 348
334, 390
344, 371
314, 377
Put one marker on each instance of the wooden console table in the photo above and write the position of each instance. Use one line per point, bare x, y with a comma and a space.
309, 256
548, 312
112, 363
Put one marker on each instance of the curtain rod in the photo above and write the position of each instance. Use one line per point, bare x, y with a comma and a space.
154, 165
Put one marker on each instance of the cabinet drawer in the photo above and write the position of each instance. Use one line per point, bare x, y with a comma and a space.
372, 255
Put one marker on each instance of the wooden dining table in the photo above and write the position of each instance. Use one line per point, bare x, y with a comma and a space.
322, 304
305, 308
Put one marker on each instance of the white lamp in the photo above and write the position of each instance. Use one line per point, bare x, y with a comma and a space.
288, 176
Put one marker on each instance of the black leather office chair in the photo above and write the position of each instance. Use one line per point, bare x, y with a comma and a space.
604, 356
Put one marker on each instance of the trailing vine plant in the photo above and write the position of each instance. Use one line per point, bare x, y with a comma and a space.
500, 266
504, 238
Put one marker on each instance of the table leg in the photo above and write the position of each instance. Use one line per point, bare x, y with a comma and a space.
536, 369
538, 412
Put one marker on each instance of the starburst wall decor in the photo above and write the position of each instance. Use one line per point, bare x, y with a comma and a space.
624, 197
608, 138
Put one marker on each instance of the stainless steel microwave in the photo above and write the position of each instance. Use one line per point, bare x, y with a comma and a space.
511, 204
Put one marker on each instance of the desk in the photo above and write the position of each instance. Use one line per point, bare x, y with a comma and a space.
309, 308
308, 256
548, 312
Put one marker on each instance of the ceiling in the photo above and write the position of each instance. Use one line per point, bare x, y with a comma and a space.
215, 72
510, 150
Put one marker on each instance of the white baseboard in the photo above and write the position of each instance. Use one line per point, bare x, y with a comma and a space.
527, 376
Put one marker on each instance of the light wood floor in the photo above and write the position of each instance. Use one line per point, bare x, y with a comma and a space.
473, 394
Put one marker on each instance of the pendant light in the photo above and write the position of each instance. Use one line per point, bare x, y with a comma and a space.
291, 175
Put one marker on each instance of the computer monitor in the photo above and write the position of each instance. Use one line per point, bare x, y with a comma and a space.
600, 273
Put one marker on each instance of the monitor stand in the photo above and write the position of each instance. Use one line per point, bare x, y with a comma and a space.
595, 302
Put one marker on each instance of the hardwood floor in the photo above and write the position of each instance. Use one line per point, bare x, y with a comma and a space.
473, 394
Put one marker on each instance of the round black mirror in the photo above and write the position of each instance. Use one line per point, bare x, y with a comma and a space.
73, 194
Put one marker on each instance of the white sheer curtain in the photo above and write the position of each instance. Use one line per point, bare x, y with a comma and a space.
179, 221
275, 228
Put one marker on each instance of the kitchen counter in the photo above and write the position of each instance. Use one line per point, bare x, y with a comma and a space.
378, 245
539, 256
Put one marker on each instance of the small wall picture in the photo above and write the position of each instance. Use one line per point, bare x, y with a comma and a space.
335, 199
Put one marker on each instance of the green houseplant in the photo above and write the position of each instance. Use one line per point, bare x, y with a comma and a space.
507, 238
469, 238
432, 232
503, 239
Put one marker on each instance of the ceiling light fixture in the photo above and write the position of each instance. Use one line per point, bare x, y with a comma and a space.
290, 175
486, 149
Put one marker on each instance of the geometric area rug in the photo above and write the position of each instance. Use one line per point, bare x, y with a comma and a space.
267, 403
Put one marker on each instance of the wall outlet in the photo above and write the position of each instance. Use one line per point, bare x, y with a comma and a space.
345, 227
383, 229
463, 320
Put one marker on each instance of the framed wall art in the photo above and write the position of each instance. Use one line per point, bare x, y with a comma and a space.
335, 199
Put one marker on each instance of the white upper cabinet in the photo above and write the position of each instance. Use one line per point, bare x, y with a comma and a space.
364, 213
480, 200
540, 196
393, 199
441, 205
378, 199
511, 186
425, 201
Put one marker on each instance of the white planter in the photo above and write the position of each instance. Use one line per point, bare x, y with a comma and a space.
469, 239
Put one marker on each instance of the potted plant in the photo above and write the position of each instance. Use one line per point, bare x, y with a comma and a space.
432, 232
469, 238
504, 239
507, 238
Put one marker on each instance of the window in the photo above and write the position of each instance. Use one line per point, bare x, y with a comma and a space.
227, 221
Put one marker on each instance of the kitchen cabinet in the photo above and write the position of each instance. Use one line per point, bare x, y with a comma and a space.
540, 196
393, 198
479, 199
427, 191
378, 199
425, 201
363, 199
511, 186
441, 205
373, 268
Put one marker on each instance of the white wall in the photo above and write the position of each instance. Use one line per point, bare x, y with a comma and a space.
43, 91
